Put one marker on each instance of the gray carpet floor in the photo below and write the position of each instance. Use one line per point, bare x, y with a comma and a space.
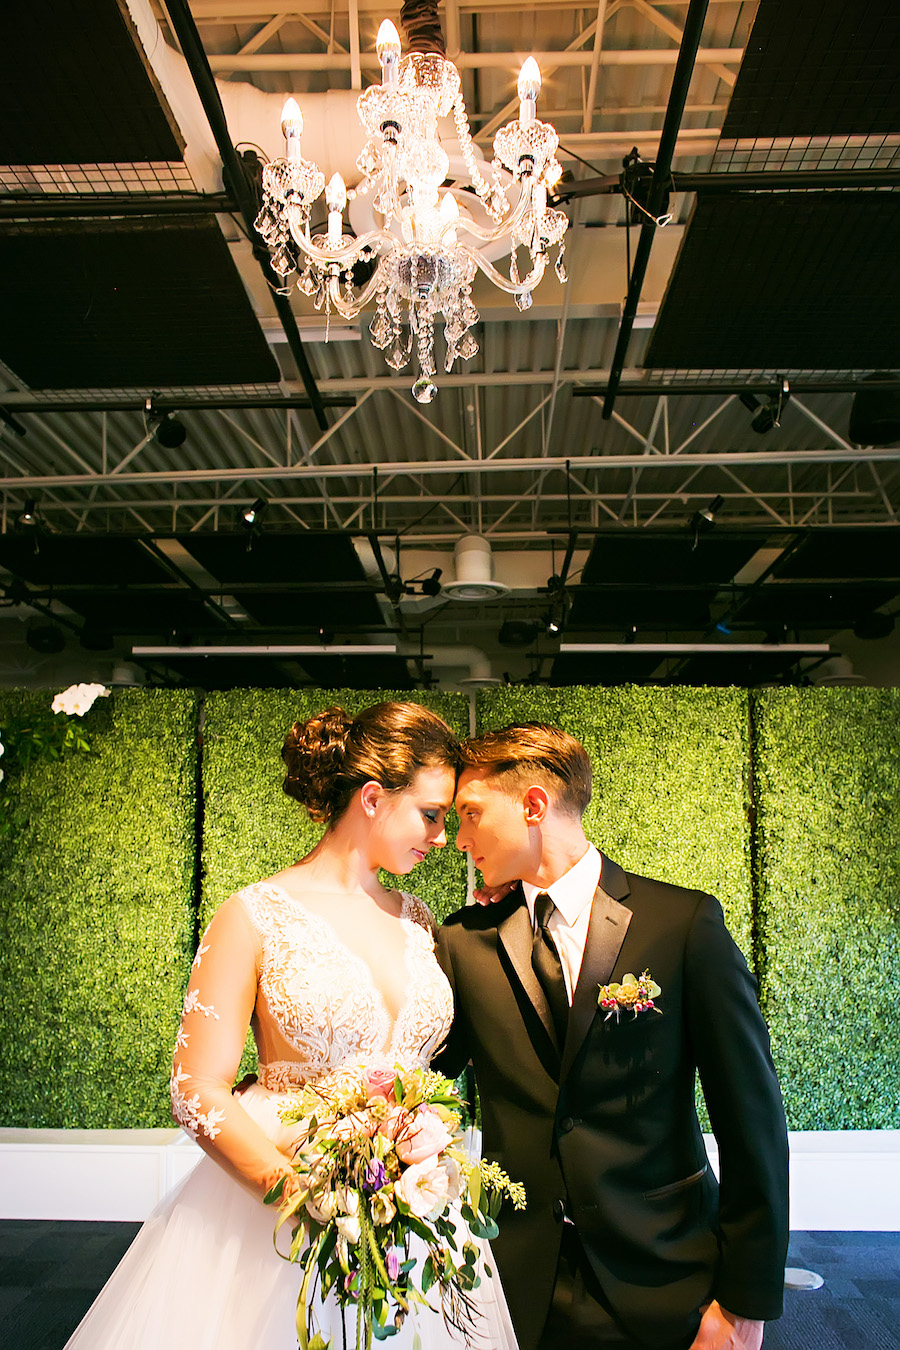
51, 1272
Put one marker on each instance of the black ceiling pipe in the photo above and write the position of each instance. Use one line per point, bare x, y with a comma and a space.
659, 189
779, 180
185, 30
26, 206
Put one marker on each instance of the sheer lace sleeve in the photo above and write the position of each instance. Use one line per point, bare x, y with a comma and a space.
218, 1006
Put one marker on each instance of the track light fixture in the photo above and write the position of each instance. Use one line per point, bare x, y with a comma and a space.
28, 517
250, 516
705, 519
167, 430
767, 412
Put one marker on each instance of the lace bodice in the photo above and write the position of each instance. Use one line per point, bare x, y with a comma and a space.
315, 1008
323, 999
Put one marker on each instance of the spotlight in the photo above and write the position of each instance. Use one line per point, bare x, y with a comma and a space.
704, 520
170, 433
95, 639
28, 517
250, 515
767, 414
432, 585
518, 632
559, 612
46, 638
874, 626
167, 430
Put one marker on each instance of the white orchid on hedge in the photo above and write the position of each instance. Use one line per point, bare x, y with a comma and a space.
78, 699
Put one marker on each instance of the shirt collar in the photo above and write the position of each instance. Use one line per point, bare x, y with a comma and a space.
572, 891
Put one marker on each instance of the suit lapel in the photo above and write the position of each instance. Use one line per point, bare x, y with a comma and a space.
515, 933
606, 932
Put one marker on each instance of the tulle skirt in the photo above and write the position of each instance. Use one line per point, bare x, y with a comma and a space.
203, 1274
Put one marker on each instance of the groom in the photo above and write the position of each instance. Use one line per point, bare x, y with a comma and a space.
627, 1240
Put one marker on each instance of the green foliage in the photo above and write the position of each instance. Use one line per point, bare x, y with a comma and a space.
96, 921
828, 780
670, 780
97, 876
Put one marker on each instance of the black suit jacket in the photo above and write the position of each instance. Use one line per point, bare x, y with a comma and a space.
604, 1129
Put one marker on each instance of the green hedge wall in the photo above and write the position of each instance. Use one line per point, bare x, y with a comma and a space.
97, 886
670, 780
827, 767
96, 917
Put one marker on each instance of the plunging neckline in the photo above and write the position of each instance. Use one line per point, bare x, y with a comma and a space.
337, 941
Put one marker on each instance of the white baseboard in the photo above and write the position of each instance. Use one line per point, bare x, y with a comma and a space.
841, 1180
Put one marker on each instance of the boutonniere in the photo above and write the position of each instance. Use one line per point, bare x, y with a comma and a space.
634, 994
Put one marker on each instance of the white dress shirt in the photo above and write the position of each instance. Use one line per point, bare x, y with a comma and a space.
572, 894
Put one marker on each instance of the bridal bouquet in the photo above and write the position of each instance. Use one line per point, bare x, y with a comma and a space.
379, 1163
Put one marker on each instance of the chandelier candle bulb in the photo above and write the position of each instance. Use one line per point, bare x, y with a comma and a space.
449, 218
336, 200
292, 128
387, 48
528, 88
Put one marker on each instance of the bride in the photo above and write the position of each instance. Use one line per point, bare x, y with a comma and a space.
330, 969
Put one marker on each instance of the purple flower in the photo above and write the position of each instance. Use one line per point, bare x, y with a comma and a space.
392, 1265
375, 1176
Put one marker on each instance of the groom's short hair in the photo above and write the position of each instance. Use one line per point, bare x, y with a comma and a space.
538, 753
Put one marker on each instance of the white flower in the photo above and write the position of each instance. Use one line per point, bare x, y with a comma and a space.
78, 698
348, 1227
429, 1186
322, 1208
1, 747
383, 1207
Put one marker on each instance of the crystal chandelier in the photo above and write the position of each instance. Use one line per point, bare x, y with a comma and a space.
427, 262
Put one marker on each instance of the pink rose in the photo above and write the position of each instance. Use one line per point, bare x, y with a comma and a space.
380, 1082
395, 1122
423, 1136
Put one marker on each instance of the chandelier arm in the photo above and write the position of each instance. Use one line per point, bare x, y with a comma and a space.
539, 266
506, 226
351, 309
374, 239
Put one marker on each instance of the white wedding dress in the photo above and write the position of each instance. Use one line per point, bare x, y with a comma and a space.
202, 1273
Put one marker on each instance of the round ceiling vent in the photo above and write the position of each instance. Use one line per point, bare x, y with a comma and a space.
474, 572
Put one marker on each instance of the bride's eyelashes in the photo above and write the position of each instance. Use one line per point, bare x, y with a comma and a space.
431, 816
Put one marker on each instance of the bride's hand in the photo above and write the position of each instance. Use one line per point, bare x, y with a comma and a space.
489, 895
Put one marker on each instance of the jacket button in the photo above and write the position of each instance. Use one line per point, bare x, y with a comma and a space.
566, 1124
559, 1210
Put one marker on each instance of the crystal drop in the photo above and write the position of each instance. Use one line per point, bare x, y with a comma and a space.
467, 346
560, 266
424, 390
524, 301
380, 330
397, 357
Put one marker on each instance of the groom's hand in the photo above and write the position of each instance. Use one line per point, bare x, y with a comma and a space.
721, 1330
489, 895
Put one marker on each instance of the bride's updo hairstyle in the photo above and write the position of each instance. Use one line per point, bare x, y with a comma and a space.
332, 755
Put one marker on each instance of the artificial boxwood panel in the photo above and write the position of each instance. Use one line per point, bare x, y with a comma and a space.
827, 768
96, 916
670, 780
251, 828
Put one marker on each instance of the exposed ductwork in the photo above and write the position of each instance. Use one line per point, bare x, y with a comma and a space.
474, 571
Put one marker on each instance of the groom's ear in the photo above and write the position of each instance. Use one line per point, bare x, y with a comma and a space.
536, 804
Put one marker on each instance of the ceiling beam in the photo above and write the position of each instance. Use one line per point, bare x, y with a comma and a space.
421, 468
